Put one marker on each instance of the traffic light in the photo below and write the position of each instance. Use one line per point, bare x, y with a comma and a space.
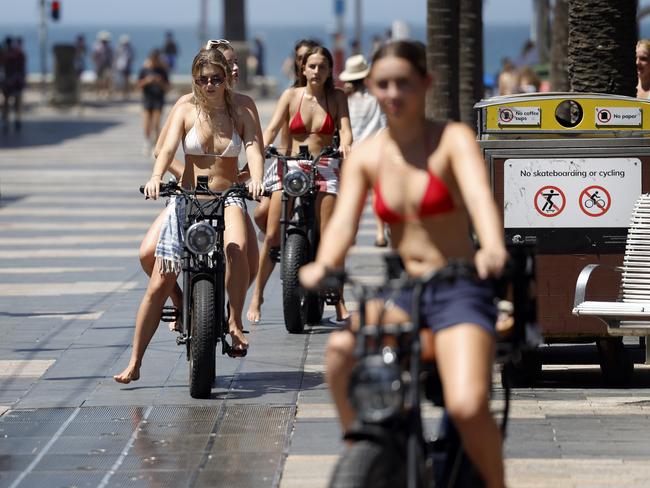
55, 9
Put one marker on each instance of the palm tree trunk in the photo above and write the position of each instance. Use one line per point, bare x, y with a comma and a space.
442, 58
560, 36
470, 59
602, 39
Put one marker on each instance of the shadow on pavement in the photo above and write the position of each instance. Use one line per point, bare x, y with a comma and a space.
52, 131
577, 366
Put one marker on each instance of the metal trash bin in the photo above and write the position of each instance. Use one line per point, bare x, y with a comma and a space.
65, 87
566, 169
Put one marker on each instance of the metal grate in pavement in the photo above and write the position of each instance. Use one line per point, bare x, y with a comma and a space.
148, 479
36, 415
184, 414
256, 419
61, 479
107, 414
225, 445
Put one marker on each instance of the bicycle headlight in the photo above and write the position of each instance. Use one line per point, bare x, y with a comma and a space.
201, 238
376, 390
296, 183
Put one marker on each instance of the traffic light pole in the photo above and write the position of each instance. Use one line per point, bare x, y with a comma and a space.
42, 37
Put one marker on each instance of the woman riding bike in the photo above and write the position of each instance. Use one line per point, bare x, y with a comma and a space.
213, 131
242, 102
261, 212
430, 182
314, 110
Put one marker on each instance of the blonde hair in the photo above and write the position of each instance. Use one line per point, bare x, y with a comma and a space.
644, 43
212, 57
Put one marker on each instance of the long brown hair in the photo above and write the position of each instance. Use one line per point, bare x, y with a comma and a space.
329, 82
212, 57
308, 43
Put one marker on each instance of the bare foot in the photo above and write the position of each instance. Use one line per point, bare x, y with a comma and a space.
131, 373
239, 341
254, 314
175, 326
342, 313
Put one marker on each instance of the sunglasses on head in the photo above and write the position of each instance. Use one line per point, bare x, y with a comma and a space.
216, 80
213, 43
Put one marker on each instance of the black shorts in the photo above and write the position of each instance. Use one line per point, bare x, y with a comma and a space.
451, 302
153, 103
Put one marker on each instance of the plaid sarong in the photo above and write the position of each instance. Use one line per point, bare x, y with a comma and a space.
170, 243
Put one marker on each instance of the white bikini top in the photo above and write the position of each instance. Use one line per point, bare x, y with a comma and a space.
192, 145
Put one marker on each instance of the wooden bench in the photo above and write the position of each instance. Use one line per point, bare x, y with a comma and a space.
630, 313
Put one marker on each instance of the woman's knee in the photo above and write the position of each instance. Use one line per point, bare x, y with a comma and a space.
466, 405
161, 284
147, 250
341, 344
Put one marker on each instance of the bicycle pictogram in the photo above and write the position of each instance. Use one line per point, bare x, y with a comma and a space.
595, 201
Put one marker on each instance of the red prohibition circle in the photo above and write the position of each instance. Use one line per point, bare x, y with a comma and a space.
560, 209
508, 115
609, 115
603, 209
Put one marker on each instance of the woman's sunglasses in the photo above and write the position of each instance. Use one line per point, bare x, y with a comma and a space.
216, 80
213, 43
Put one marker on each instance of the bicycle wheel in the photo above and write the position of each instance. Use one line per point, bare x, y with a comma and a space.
295, 255
202, 339
368, 464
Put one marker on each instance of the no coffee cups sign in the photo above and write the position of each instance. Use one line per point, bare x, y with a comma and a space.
516, 116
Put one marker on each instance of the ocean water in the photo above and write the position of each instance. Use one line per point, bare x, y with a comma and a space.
499, 41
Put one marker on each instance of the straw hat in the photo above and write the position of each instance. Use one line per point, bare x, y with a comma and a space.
356, 68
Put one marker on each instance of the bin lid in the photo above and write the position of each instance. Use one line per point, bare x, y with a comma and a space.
556, 114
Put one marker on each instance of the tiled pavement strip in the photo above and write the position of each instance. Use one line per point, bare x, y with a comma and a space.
73, 237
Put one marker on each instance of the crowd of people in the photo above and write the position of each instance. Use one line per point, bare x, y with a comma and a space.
113, 66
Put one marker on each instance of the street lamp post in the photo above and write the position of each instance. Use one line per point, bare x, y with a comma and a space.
42, 38
339, 37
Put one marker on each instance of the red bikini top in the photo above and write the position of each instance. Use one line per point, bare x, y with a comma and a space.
297, 126
436, 200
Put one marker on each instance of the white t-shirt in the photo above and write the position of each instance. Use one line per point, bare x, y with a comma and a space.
366, 117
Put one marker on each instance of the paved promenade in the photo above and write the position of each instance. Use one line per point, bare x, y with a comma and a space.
71, 220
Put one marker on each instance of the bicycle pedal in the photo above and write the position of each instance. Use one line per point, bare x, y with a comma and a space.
274, 254
331, 297
181, 340
169, 314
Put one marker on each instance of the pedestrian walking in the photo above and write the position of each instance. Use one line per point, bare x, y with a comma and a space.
80, 52
366, 117
170, 51
508, 80
153, 80
102, 56
14, 68
123, 65
643, 68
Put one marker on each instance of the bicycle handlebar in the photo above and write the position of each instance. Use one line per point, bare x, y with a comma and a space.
327, 151
336, 278
173, 188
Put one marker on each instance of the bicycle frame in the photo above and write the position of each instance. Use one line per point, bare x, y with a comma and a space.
302, 217
198, 266
400, 427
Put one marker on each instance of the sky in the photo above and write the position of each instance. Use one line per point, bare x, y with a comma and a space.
172, 13
186, 12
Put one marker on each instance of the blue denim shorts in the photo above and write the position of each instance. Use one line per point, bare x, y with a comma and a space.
447, 303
